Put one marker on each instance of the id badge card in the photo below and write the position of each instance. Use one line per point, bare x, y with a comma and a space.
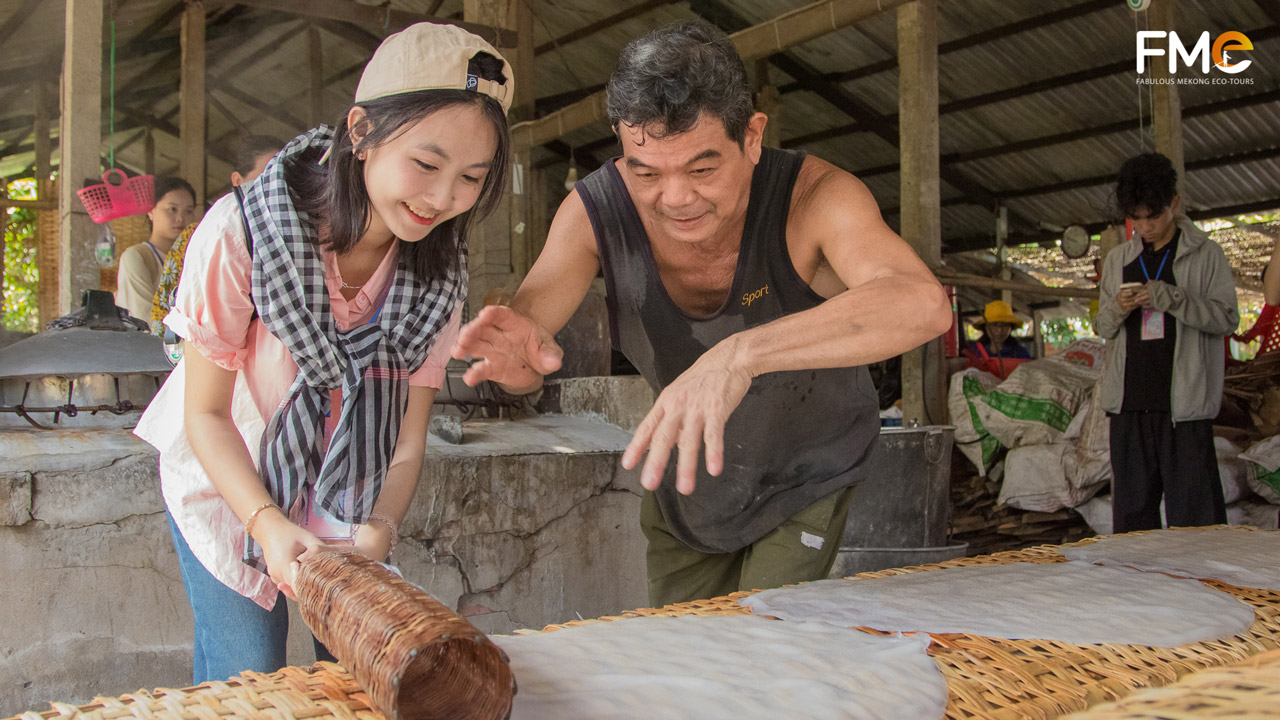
1152, 324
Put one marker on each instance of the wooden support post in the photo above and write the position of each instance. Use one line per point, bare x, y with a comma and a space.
1109, 239
539, 211
79, 141
1166, 106
149, 151
502, 246
769, 102
46, 220
191, 117
1002, 251
315, 90
1037, 337
4, 245
525, 239
923, 394
43, 142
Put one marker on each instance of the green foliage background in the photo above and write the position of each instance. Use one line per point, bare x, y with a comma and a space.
20, 270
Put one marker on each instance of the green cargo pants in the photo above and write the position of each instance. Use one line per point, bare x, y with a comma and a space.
678, 573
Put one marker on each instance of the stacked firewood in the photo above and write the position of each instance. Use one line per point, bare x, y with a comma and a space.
978, 519
1251, 396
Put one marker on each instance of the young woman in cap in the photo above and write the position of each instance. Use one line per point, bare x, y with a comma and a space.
319, 307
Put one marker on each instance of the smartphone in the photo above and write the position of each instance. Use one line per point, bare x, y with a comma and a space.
1130, 286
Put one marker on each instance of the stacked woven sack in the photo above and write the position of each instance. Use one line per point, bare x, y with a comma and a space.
1057, 437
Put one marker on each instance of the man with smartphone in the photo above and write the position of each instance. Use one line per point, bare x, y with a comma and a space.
1167, 299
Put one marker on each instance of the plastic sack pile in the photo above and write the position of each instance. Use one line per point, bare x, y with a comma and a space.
1048, 418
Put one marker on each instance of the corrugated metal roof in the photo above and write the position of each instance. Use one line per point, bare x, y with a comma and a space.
269, 96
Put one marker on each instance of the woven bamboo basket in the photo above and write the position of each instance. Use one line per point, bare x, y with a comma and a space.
416, 658
986, 677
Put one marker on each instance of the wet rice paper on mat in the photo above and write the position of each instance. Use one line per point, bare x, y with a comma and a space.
734, 666
1236, 557
1070, 602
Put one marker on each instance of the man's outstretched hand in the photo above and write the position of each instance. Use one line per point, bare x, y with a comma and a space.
514, 351
689, 415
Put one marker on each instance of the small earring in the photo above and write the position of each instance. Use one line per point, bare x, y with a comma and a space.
360, 156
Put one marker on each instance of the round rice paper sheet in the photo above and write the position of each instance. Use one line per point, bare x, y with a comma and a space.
1237, 557
734, 666
1069, 602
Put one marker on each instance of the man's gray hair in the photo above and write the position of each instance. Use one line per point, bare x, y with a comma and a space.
665, 79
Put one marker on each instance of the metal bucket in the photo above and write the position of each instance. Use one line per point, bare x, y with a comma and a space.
898, 514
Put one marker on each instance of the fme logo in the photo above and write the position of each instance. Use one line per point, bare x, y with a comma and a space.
1221, 50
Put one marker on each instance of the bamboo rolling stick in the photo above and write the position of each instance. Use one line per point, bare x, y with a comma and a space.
416, 658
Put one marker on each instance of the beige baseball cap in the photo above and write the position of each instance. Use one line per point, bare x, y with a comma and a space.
429, 56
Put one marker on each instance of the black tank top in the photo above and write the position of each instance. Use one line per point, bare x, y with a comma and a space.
797, 436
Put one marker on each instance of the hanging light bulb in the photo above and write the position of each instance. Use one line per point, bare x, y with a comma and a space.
571, 179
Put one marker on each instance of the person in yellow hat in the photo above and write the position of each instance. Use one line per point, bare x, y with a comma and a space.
997, 344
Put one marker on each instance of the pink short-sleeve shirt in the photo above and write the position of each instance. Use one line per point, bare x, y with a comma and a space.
214, 313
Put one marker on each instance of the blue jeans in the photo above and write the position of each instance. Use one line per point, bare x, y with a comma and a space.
232, 632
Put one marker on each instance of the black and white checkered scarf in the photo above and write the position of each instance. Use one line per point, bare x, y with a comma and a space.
371, 362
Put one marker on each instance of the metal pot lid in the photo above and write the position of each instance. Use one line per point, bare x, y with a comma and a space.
95, 339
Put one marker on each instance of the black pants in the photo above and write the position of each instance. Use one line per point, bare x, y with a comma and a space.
1151, 457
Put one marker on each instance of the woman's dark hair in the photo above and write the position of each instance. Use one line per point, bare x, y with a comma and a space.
334, 194
165, 184
673, 74
1146, 181
253, 147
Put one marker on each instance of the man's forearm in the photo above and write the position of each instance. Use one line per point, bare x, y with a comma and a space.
878, 320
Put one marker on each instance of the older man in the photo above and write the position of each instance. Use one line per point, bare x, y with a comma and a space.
749, 286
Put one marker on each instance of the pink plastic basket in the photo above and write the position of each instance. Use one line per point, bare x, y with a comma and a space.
118, 196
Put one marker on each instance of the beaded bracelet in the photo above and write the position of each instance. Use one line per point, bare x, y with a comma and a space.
391, 525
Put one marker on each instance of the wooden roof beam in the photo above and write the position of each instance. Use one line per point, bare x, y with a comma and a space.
362, 39
1271, 8
50, 66
1032, 88
383, 20
883, 126
1211, 108
772, 36
584, 155
298, 97
1096, 180
550, 103
581, 155
138, 119
602, 24
986, 242
222, 82
18, 19
985, 36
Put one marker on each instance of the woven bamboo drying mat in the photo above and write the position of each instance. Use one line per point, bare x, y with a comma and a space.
997, 678
1248, 689
986, 677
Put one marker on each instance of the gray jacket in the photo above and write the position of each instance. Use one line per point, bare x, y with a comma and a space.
1204, 306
